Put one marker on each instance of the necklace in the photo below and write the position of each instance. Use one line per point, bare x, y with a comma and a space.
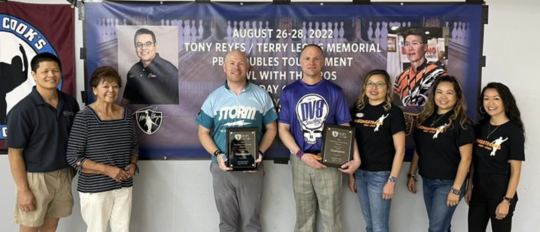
436, 120
491, 131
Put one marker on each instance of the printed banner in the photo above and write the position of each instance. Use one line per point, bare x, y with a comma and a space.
27, 30
191, 40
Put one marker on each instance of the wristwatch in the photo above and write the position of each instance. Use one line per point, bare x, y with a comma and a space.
455, 191
392, 179
218, 152
412, 176
508, 199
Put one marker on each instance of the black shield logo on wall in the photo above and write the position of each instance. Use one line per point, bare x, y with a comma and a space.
149, 120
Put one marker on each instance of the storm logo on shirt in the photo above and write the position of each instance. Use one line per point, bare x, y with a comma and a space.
236, 112
311, 111
149, 120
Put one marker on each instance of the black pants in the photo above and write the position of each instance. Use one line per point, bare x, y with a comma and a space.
482, 210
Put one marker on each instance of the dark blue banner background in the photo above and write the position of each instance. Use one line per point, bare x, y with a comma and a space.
204, 33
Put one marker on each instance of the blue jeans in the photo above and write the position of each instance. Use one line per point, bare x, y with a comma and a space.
435, 197
376, 210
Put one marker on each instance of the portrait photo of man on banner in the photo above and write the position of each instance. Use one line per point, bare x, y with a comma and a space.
147, 57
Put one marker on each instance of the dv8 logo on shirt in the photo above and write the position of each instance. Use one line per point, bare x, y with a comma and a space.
312, 111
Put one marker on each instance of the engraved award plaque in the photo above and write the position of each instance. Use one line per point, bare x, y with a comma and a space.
337, 145
242, 148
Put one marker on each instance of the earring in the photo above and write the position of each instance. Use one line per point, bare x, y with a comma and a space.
481, 108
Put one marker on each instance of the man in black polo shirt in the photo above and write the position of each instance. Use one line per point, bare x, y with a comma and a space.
38, 129
152, 80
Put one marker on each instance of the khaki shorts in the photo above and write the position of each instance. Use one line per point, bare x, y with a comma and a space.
54, 199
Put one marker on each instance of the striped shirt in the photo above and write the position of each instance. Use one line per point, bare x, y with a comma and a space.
413, 87
109, 142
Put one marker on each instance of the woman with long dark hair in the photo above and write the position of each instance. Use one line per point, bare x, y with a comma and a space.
380, 136
444, 138
498, 154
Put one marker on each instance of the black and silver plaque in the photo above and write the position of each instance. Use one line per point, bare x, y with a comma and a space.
242, 148
337, 145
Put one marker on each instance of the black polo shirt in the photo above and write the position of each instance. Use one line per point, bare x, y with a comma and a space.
41, 130
155, 84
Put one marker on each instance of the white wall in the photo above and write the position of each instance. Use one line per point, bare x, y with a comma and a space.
177, 195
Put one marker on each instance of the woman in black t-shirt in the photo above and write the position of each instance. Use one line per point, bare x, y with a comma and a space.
380, 136
444, 139
498, 153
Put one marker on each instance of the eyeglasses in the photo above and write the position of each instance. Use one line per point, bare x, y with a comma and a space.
414, 44
144, 45
376, 84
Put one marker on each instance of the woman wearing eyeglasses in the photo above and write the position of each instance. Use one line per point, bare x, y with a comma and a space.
380, 136
444, 139
498, 154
